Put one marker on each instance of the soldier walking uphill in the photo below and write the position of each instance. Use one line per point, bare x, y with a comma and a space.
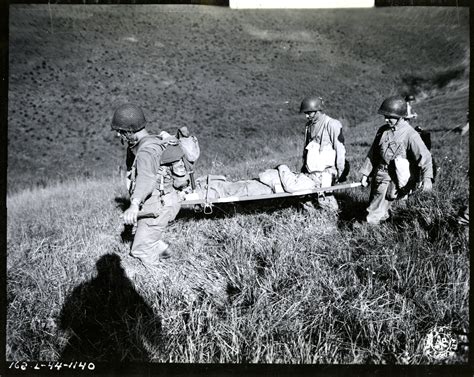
397, 161
324, 153
150, 185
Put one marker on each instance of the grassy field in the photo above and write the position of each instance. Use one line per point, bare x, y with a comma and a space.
266, 283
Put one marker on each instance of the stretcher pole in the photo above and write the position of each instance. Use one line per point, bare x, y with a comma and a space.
234, 199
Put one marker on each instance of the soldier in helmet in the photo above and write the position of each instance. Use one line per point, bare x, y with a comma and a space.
410, 99
150, 186
324, 151
397, 158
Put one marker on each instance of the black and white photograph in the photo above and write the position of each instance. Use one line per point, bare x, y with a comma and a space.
236, 183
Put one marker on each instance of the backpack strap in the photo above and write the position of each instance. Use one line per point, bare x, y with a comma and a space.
152, 144
190, 171
323, 128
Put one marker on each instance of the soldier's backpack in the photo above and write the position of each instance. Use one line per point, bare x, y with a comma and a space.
183, 141
183, 147
189, 144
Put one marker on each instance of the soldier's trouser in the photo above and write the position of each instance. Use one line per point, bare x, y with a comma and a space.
379, 205
292, 182
147, 244
326, 179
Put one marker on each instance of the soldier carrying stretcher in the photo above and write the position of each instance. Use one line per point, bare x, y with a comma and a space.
156, 168
397, 162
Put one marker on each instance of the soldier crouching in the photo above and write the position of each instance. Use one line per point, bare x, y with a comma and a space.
150, 184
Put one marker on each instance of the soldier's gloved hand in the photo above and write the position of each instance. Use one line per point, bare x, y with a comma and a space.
427, 185
131, 214
364, 181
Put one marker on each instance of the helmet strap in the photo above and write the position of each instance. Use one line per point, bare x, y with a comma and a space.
316, 116
132, 139
395, 124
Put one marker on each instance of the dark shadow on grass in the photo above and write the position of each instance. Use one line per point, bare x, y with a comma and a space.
122, 203
127, 234
350, 209
106, 318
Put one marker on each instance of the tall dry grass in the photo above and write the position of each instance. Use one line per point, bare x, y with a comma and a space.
250, 284
266, 283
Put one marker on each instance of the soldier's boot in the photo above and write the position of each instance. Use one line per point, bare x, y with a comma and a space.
328, 203
160, 251
163, 250
308, 206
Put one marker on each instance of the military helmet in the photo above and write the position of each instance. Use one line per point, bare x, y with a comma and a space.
395, 107
128, 117
311, 103
410, 97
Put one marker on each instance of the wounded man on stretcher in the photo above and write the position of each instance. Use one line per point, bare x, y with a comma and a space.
270, 181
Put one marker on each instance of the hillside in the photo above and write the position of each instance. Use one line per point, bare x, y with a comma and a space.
267, 283
235, 78
259, 283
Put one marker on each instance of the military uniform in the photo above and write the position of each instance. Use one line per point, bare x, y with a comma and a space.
399, 141
152, 187
327, 132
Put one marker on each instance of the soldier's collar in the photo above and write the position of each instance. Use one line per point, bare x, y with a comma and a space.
319, 119
134, 147
402, 122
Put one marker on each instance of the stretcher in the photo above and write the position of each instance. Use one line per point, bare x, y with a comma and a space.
207, 204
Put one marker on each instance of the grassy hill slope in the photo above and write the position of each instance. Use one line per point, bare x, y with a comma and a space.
235, 78
258, 283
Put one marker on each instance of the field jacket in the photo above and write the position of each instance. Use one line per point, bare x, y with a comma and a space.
144, 165
403, 141
328, 132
